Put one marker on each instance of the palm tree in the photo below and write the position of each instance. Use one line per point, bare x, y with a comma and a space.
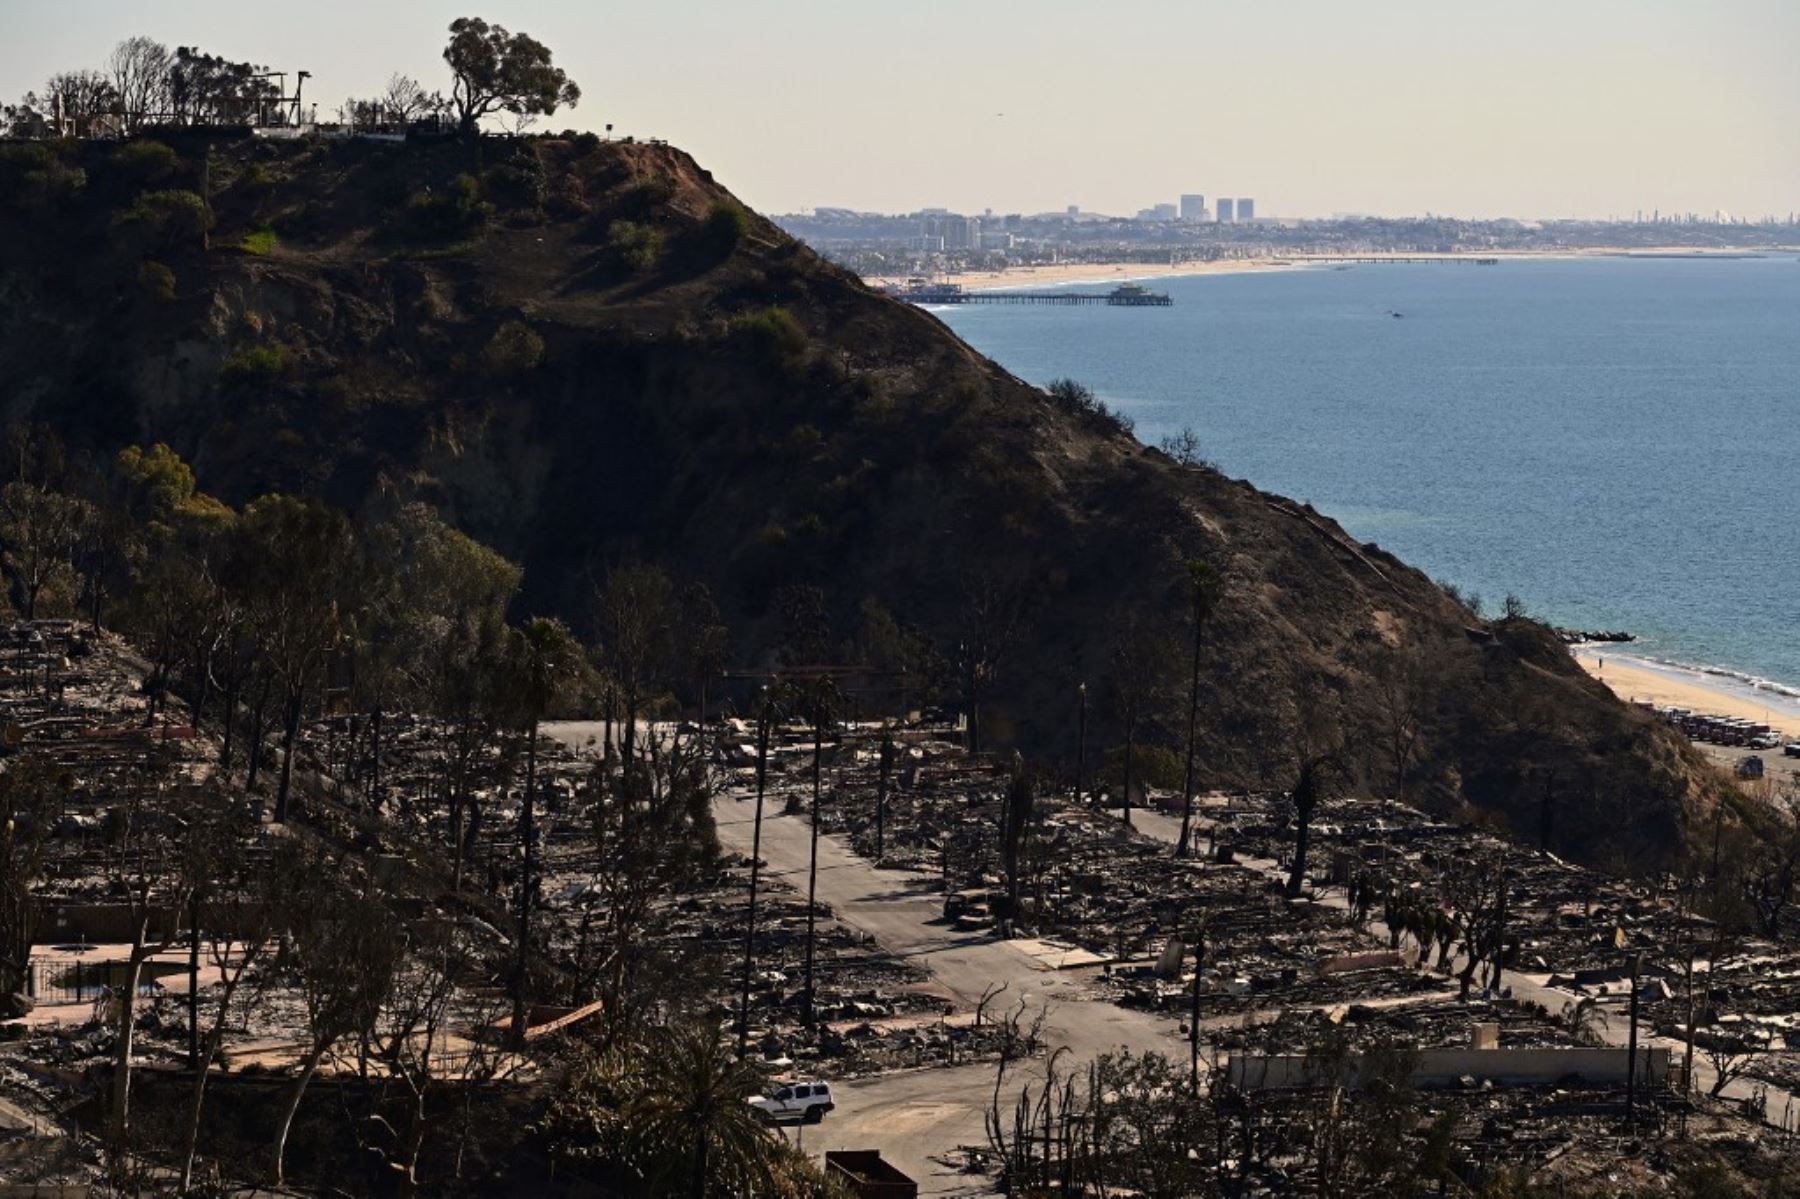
695, 1095
1587, 1020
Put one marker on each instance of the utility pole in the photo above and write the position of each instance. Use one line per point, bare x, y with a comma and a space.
881, 791
1631, 1065
812, 873
1081, 743
762, 770
193, 978
1194, 1014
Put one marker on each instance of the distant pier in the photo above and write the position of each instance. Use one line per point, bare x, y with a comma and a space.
1126, 295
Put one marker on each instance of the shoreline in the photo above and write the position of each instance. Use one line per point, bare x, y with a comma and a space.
1093, 273
1664, 684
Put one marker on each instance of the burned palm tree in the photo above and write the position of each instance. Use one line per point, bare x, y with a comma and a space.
1204, 583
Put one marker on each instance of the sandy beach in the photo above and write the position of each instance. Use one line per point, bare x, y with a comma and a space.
1119, 272
1098, 272
1675, 686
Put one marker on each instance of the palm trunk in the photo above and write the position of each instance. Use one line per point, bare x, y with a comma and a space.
1183, 845
697, 1185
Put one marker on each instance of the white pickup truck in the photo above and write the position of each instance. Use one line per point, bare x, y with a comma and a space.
804, 1101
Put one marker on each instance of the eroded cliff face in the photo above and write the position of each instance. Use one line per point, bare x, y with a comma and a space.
584, 353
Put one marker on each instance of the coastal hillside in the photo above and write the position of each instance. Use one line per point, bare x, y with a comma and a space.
585, 353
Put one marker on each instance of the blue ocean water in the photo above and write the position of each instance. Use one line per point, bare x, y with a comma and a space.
1615, 441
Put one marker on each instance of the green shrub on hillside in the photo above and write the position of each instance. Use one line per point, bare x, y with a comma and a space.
644, 200
773, 332
145, 162
166, 219
157, 280
32, 176
253, 180
253, 363
725, 226
517, 183
634, 247
260, 242
514, 349
454, 212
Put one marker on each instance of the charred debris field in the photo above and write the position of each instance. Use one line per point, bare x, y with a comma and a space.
463, 590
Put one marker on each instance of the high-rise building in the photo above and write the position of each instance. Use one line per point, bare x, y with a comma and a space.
1226, 213
1074, 211
1164, 212
1193, 207
1246, 209
958, 232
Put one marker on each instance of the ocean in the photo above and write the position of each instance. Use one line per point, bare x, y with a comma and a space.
1615, 441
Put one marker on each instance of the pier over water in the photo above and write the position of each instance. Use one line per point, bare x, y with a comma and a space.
1126, 295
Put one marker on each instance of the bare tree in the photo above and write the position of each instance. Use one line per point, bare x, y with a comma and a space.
1320, 771
1139, 687
147, 870
85, 98
239, 895
139, 70
635, 611
342, 950
1402, 695
992, 607
405, 101
29, 791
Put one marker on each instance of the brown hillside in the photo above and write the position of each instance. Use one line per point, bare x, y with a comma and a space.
586, 352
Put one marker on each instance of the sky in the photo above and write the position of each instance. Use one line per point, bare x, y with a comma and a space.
1529, 109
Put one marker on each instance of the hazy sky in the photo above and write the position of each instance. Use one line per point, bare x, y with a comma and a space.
1523, 108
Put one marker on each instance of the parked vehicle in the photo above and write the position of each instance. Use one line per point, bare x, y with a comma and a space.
804, 1101
1791, 749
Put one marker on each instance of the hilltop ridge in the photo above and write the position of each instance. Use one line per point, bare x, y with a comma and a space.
585, 352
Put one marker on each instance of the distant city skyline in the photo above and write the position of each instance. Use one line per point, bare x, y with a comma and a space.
1398, 108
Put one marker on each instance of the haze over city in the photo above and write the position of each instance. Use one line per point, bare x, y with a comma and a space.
1398, 108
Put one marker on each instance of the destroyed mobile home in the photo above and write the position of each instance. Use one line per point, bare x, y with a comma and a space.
1514, 1039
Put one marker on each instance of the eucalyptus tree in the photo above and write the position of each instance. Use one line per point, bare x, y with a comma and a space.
301, 578
548, 667
497, 71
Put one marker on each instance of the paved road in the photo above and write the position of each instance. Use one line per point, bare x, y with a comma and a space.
916, 1116
913, 1117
